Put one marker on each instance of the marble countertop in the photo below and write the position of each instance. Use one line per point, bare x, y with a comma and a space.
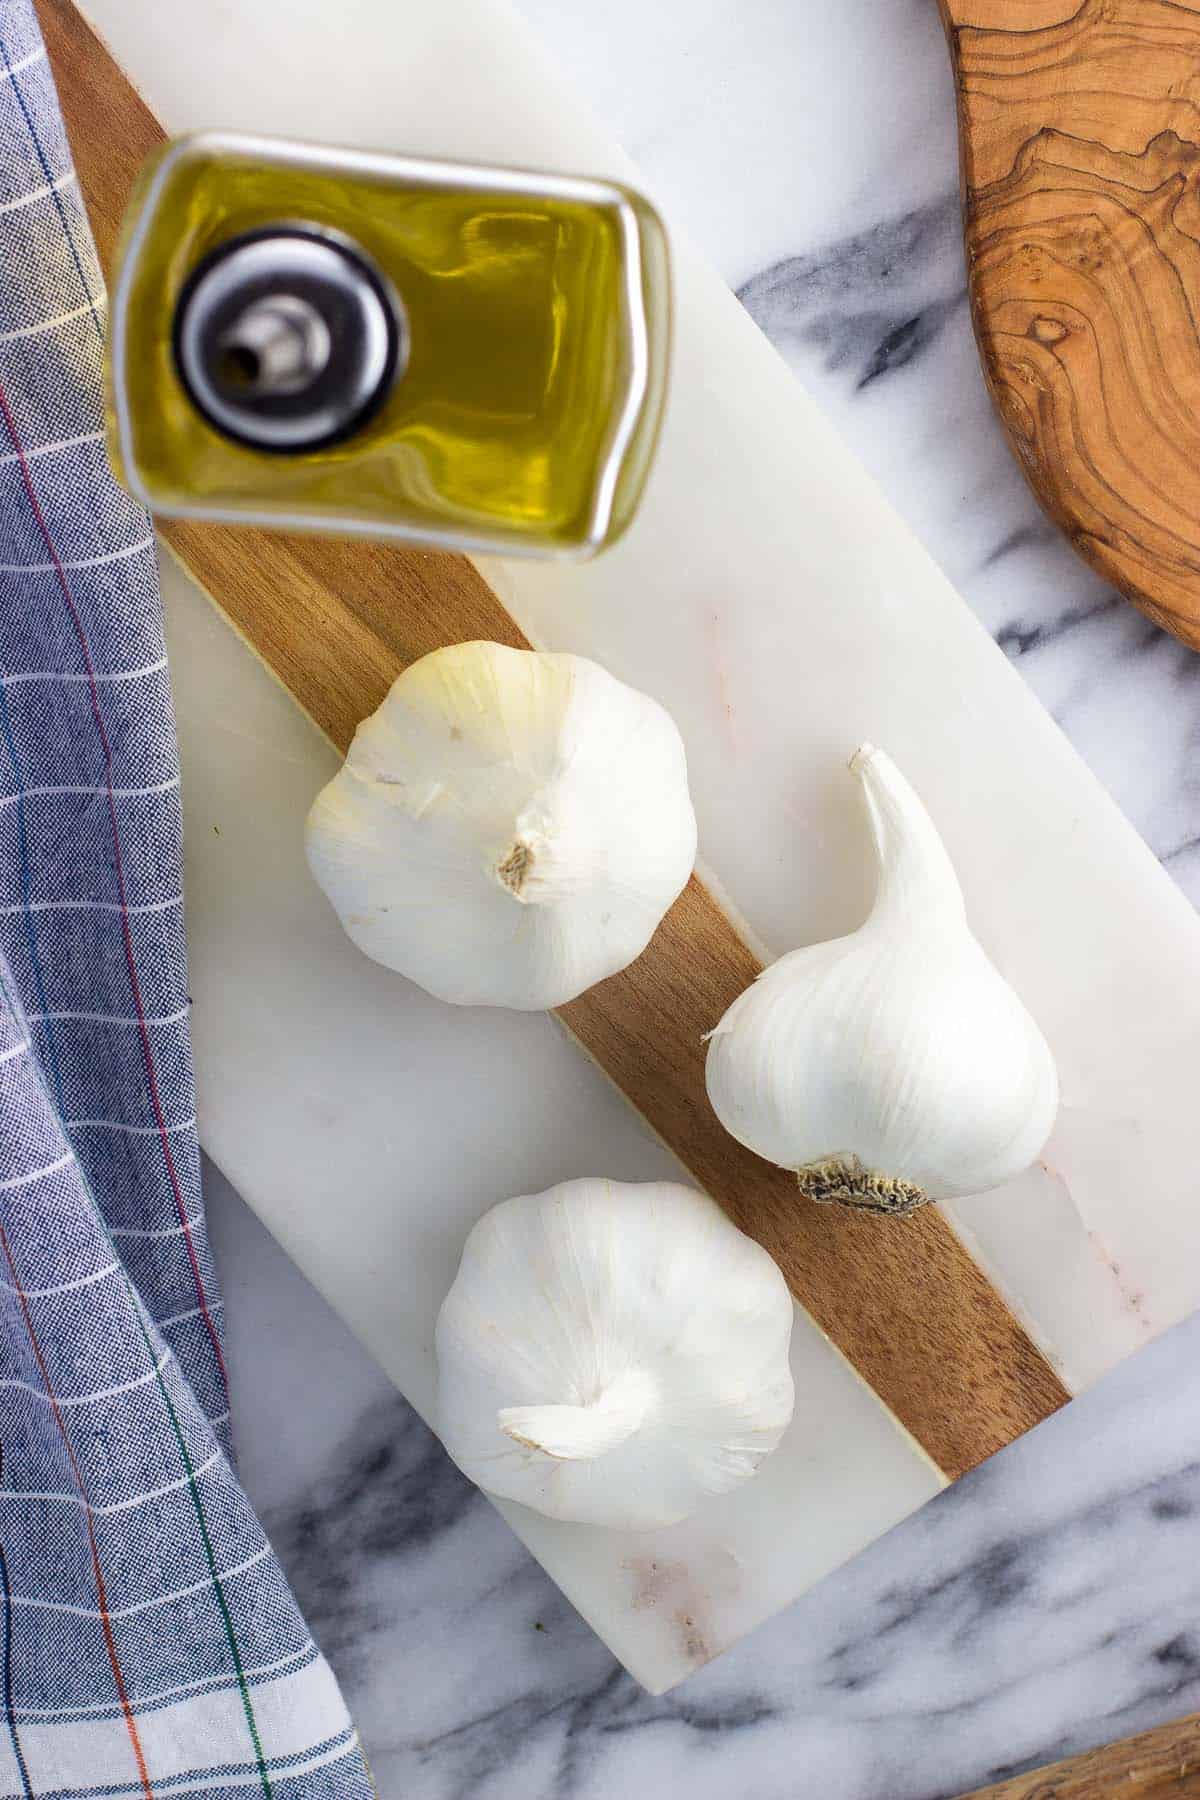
1046, 1602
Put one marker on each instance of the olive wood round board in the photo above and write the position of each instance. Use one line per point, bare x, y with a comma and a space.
1162, 1764
1080, 155
922, 1345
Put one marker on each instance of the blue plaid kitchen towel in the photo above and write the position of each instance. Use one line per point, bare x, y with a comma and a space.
148, 1642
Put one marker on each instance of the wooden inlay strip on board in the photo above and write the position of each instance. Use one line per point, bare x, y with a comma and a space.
1081, 186
337, 622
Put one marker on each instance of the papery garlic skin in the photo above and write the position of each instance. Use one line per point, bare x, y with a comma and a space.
508, 829
613, 1354
893, 1066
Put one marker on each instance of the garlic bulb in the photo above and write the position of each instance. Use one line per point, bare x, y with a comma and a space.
509, 827
894, 1066
612, 1354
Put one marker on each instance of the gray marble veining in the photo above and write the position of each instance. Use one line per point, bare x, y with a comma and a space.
870, 304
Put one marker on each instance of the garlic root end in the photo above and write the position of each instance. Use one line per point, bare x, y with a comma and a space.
513, 872
845, 1181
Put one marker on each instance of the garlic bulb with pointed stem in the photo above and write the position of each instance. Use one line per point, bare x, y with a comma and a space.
896, 1065
613, 1354
508, 828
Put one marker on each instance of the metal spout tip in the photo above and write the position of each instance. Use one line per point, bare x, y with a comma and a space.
288, 338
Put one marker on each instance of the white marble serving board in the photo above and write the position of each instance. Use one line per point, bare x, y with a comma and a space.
782, 611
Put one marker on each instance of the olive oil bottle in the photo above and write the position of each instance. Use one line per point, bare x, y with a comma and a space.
464, 357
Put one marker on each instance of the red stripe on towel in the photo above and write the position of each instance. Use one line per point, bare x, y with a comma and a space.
97, 1572
135, 985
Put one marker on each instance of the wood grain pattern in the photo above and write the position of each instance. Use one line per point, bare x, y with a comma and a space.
337, 622
1163, 1764
1080, 145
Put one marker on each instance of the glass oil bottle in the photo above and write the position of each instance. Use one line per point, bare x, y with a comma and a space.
464, 357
